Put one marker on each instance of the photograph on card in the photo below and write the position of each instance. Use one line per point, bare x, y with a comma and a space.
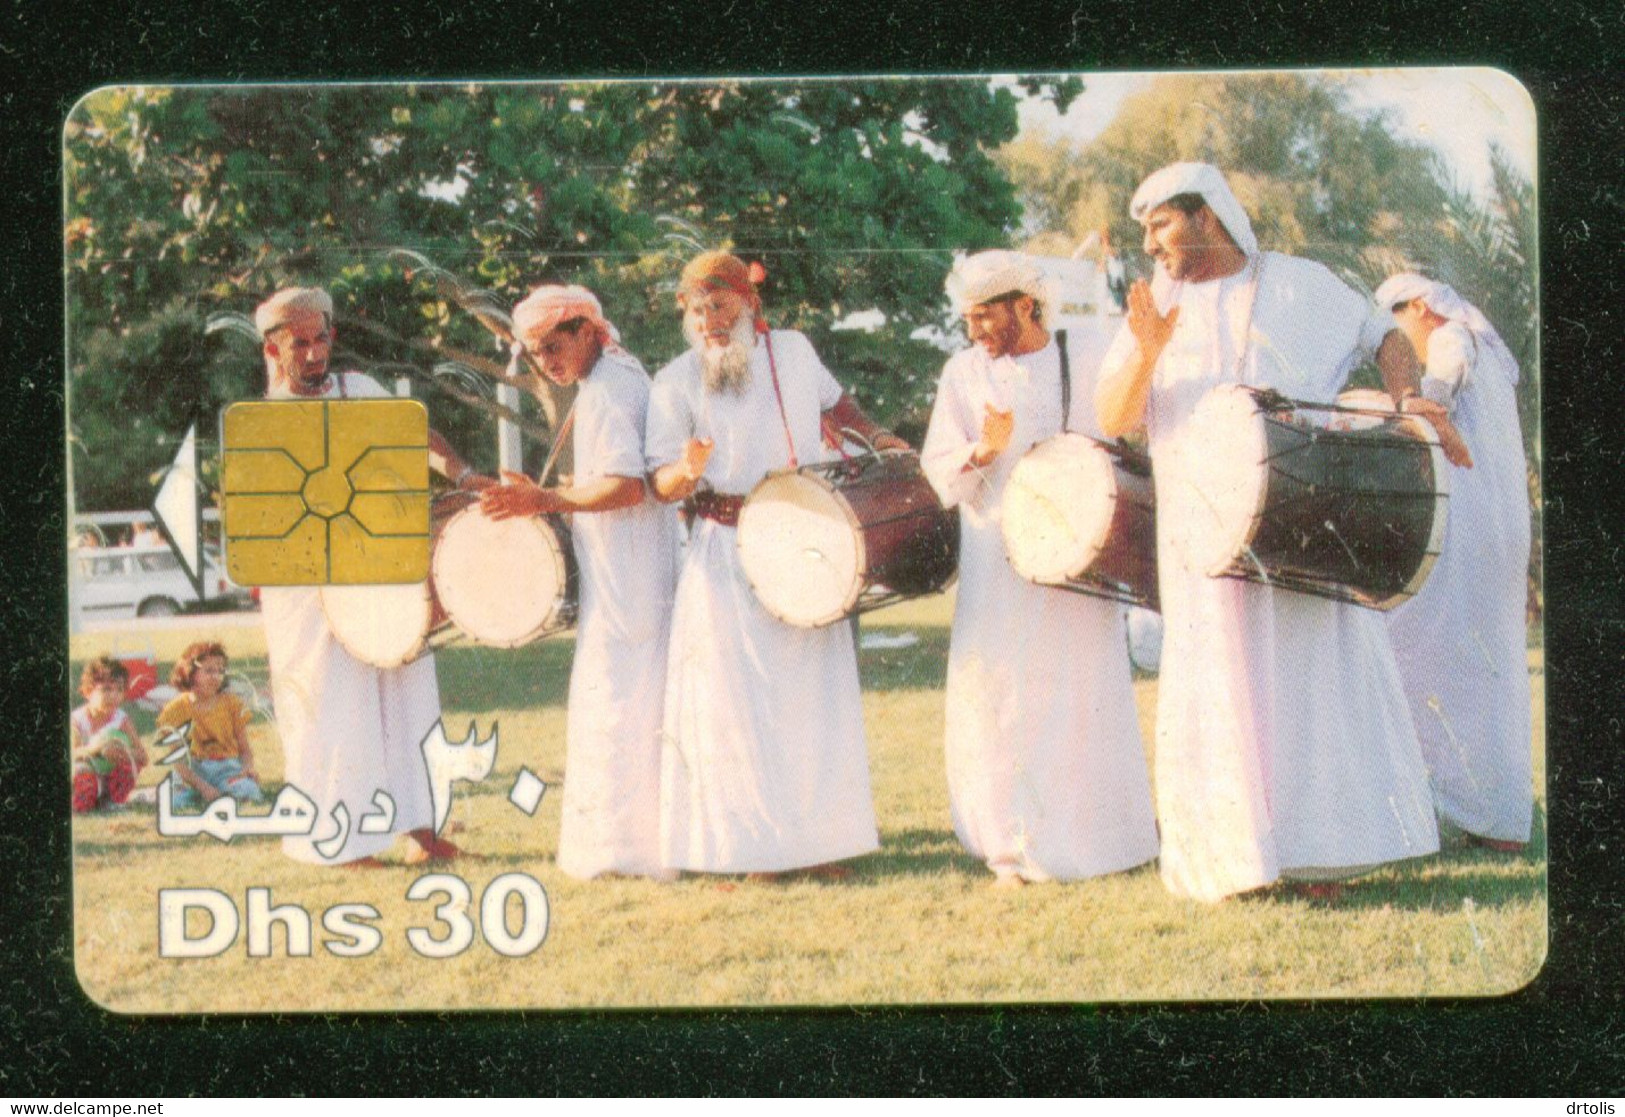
660, 543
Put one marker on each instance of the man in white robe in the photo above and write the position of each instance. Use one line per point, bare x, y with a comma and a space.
1046, 769
765, 767
1462, 641
348, 729
625, 544
1284, 743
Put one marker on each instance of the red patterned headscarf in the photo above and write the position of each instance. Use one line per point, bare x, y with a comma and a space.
546, 308
721, 271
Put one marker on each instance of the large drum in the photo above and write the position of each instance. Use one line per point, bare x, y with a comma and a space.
1352, 514
384, 625
506, 582
825, 541
1080, 514
388, 625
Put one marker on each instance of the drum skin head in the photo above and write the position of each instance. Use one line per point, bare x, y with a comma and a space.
382, 625
802, 550
1235, 477
501, 581
1057, 509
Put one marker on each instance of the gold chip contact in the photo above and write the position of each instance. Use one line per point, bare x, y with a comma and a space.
326, 492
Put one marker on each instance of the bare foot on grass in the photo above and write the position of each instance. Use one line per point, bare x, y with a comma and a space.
831, 871
1495, 845
429, 848
1323, 892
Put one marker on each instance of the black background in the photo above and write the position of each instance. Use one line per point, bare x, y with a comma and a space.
1563, 1036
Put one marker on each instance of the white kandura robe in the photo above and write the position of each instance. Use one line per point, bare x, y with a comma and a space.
627, 563
765, 766
1046, 769
1461, 641
1284, 743
348, 729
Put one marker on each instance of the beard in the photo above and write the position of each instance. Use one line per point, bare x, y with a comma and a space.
726, 368
298, 378
1003, 339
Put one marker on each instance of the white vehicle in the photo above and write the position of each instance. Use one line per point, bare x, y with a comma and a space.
142, 577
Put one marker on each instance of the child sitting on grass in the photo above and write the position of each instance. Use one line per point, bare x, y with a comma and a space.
107, 751
219, 760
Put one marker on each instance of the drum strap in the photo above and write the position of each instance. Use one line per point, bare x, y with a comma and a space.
558, 442
773, 369
1244, 350
1066, 383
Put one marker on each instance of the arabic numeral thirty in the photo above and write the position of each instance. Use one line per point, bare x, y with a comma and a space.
453, 911
532, 909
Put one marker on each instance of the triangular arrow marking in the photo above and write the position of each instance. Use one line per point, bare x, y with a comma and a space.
177, 512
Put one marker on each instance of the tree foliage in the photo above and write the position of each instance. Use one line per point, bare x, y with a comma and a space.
1318, 179
185, 202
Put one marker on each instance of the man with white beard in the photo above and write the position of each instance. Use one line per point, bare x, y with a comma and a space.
764, 765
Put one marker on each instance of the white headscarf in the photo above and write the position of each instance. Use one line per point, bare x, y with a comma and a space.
1442, 299
290, 302
1196, 178
545, 308
987, 275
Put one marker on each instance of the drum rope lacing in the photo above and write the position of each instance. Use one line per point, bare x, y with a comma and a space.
1247, 564
1374, 438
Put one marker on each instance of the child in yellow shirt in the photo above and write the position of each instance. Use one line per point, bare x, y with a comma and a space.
219, 760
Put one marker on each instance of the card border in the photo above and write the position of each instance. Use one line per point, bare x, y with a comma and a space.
1554, 1038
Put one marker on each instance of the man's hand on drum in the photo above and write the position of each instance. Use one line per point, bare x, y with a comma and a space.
996, 429
846, 415
1450, 440
1151, 330
518, 495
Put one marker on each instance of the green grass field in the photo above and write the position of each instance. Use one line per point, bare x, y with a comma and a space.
917, 923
